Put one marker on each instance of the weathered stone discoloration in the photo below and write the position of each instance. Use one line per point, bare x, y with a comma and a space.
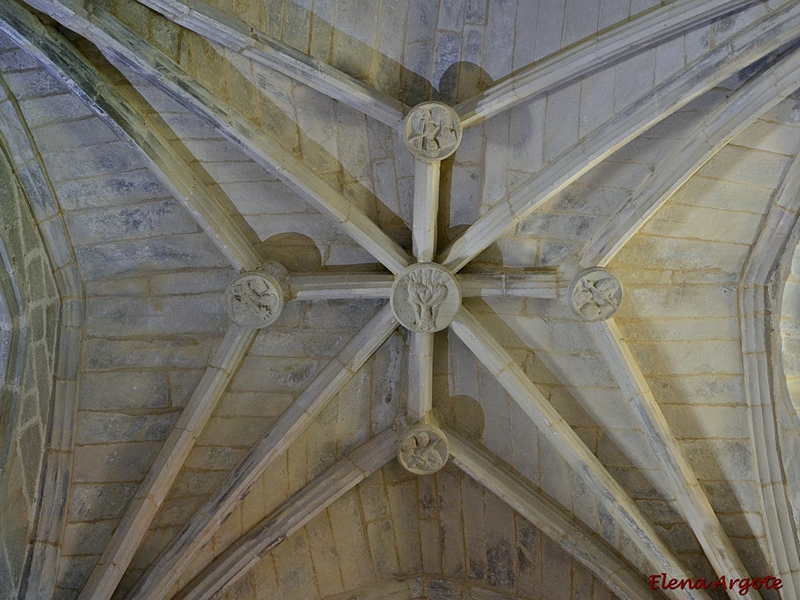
510, 532
30, 300
144, 261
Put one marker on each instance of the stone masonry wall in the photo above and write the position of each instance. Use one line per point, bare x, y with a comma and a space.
39, 303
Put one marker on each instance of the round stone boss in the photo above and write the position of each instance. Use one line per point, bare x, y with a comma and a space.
424, 450
425, 298
595, 294
254, 299
433, 131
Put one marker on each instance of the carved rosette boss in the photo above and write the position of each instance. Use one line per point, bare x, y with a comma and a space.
425, 298
433, 131
595, 294
255, 299
424, 450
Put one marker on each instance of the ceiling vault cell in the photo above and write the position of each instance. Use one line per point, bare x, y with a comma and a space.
292, 515
119, 43
675, 468
43, 556
221, 28
753, 99
153, 491
165, 571
568, 532
627, 38
570, 446
127, 114
760, 38
765, 381
424, 288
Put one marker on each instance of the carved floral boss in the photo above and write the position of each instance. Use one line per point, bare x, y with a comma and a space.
425, 297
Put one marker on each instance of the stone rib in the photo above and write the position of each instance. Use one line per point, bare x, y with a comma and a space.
124, 112
121, 45
339, 286
623, 40
344, 286
426, 209
545, 284
420, 375
570, 446
243, 554
752, 43
574, 537
165, 571
154, 489
692, 501
234, 34
752, 100
41, 567
764, 381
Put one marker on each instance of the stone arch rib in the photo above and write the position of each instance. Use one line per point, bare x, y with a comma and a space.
12, 343
118, 43
691, 499
568, 532
123, 111
216, 26
759, 39
569, 445
765, 389
751, 101
41, 564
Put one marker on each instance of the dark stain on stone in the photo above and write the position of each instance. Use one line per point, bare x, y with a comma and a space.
723, 25
123, 185
136, 219
440, 590
160, 430
528, 548
582, 227
529, 537
476, 570
500, 564
427, 501
297, 376
522, 559
567, 200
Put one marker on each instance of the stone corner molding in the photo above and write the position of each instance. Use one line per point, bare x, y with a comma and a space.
595, 294
255, 299
424, 450
433, 131
425, 298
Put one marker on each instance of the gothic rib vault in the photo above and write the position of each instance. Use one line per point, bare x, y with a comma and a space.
399, 299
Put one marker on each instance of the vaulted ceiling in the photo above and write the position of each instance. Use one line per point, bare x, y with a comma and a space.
252, 298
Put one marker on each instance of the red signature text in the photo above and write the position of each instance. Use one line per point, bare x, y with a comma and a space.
742, 586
